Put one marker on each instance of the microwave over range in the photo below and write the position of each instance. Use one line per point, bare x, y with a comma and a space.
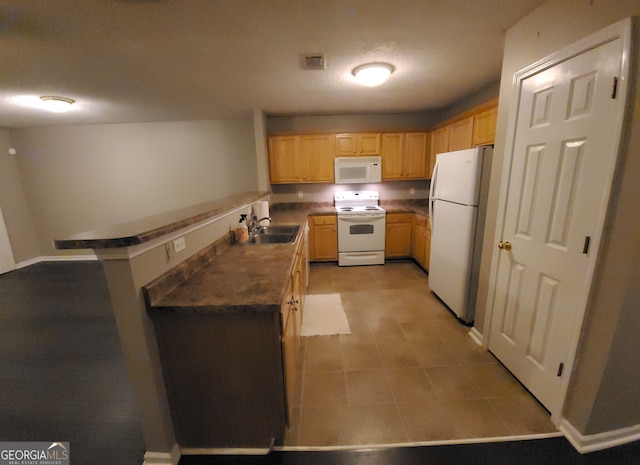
358, 170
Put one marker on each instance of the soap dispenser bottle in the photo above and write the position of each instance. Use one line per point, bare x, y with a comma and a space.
242, 232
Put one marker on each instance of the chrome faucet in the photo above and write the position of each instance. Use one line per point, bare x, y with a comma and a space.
253, 224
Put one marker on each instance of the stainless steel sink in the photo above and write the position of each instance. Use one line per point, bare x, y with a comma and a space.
272, 239
278, 229
280, 234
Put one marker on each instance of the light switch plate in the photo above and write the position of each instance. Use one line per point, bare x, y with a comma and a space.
179, 244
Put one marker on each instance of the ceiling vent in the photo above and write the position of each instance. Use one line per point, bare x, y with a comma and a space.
314, 61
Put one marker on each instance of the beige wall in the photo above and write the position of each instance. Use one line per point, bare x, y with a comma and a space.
77, 178
13, 203
604, 382
418, 121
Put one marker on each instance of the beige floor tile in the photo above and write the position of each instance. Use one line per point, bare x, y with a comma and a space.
419, 331
523, 415
398, 354
494, 380
324, 388
426, 421
360, 333
452, 383
368, 387
450, 328
434, 354
467, 351
292, 434
452, 420
387, 332
361, 357
351, 425
411, 385
322, 357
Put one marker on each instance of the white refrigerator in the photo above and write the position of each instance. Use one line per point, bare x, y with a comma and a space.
457, 203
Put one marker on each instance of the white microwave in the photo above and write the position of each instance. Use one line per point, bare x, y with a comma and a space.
357, 170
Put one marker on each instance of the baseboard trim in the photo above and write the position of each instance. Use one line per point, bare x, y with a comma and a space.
593, 442
56, 258
476, 336
225, 451
163, 458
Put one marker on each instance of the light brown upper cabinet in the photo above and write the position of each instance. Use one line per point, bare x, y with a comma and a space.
405, 155
484, 126
439, 144
318, 152
284, 159
461, 134
358, 144
469, 129
298, 159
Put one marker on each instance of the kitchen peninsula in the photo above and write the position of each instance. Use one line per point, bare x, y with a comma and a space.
179, 247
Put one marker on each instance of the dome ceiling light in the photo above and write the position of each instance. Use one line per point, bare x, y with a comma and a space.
372, 74
57, 104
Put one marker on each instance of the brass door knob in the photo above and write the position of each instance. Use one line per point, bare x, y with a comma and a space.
506, 245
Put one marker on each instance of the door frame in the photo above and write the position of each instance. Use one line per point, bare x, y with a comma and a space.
620, 30
5, 245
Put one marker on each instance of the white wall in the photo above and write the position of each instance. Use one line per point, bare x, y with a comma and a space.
77, 178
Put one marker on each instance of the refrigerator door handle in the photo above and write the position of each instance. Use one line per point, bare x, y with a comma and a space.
432, 188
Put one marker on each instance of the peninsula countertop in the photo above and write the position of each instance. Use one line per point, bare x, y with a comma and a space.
249, 278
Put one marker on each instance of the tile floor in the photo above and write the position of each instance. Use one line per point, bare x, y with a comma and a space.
409, 372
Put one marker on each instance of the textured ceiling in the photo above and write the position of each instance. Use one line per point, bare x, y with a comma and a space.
163, 60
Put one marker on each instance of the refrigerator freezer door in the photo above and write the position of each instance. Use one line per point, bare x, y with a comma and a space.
452, 239
457, 176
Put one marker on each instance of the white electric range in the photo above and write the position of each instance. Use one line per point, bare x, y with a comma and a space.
361, 228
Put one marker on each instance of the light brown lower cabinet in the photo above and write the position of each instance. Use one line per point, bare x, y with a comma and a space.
421, 243
323, 238
291, 322
398, 235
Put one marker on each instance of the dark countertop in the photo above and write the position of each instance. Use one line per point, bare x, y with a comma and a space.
151, 227
249, 278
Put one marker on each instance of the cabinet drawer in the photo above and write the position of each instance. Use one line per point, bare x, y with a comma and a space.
399, 217
326, 219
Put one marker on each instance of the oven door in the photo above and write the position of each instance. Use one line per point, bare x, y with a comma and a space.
359, 232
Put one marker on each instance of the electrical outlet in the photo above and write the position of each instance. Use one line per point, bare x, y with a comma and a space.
412, 190
179, 244
300, 194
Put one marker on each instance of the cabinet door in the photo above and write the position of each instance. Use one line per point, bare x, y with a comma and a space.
323, 238
369, 144
358, 144
398, 235
345, 145
484, 127
461, 134
418, 250
427, 246
439, 144
284, 159
392, 150
416, 154
289, 348
318, 152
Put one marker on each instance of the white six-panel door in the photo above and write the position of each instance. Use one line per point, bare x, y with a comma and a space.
563, 156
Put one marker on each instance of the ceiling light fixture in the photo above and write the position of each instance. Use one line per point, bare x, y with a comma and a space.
57, 104
372, 74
